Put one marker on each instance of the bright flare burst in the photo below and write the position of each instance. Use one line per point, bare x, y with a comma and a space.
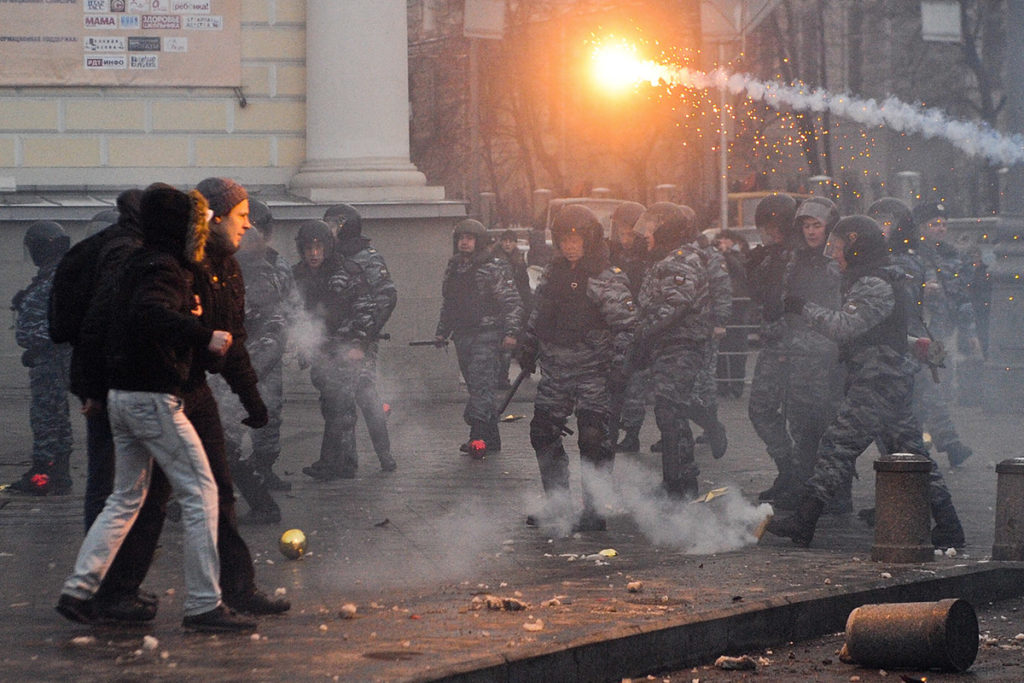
618, 67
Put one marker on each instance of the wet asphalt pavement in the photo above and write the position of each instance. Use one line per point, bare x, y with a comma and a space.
412, 549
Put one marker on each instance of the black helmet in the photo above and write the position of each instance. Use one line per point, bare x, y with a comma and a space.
865, 243
775, 211
820, 208
315, 231
46, 242
903, 233
261, 218
666, 225
470, 226
104, 219
345, 221
626, 215
577, 219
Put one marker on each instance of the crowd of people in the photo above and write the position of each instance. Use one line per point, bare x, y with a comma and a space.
170, 326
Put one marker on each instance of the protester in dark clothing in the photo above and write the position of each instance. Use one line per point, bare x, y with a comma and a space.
151, 338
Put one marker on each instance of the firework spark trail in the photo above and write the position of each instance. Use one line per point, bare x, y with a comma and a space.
973, 138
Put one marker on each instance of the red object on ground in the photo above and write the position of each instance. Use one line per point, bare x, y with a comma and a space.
477, 448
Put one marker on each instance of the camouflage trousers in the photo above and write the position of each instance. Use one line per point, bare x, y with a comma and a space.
877, 403
49, 417
479, 354
792, 400
676, 370
573, 379
246, 475
266, 441
368, 400
337, 378
931, 407
634, 400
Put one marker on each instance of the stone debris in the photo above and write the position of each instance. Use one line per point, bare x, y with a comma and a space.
279, 591
744, 663
635, 586
495, 602
150, 643
537, 625
348, 611
83, 641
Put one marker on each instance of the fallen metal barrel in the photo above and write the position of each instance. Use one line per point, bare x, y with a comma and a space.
902, 513
1009, 540
914, 635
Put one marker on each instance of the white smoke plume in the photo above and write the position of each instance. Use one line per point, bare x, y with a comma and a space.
972, 138
721, 525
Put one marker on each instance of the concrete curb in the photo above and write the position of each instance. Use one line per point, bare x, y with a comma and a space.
632, 650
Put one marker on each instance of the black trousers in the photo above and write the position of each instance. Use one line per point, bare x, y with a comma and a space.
237, 574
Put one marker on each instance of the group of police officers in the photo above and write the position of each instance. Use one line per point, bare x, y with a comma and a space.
853, 313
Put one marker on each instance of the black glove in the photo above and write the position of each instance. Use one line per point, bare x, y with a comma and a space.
258, 415
526, 356
793, 304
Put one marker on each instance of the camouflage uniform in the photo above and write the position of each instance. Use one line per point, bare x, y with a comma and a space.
581, 328
704, 403
940, 308
811, 358
879, 384
677, 288
632, 404
48, 366
270, 302
385, 296
480, 307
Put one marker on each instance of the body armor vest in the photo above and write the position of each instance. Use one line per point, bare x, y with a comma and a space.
569, 313
470, 305
892, 331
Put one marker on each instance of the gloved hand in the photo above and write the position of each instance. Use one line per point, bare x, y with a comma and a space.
31, 358
793, 304
526, 356
257, 410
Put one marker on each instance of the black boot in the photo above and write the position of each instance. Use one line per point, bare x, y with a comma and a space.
799, 526
958, 453
948, 532
630, 442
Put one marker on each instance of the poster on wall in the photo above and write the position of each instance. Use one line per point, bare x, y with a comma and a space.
120, 42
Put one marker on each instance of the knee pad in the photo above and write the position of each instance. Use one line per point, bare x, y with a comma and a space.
545, 430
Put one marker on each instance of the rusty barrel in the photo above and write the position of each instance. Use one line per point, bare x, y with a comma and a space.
902, 513
914, 635
1009, 539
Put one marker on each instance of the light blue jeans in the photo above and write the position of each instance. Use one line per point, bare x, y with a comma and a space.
150, 426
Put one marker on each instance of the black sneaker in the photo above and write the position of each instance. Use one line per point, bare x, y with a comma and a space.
33, 483
126, 608
218, 620
257, 602
76, 609
320, 472
387, 463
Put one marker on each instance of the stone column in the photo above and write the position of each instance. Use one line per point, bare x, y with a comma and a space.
357, 105
1004, 368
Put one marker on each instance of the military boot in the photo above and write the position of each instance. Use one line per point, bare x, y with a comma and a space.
948, 532
678, 471
800, 525
957, 454
554, 477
